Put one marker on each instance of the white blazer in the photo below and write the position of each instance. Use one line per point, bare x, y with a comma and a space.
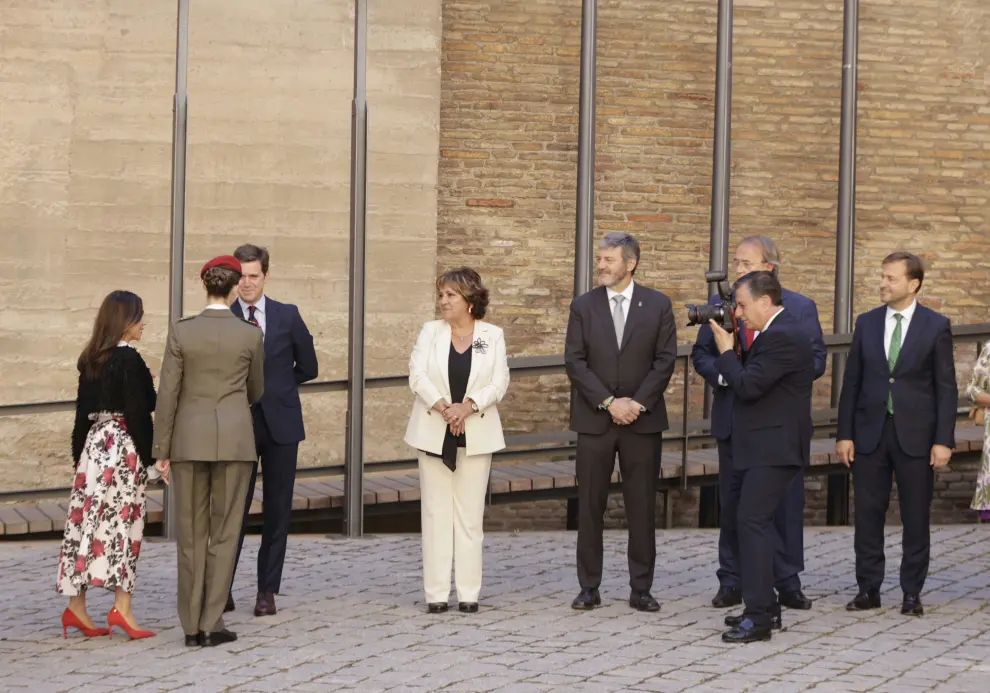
486, 386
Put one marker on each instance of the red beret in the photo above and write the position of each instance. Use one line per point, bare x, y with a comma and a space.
226, 261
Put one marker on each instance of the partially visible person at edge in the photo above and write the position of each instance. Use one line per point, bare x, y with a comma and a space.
111, 448
213, 371
459, 373
978, 392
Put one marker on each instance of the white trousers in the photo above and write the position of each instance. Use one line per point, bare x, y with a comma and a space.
453, 512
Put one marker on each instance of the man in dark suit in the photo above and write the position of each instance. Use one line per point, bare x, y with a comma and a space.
290, 360
758, 254
771, 439
620, 351
897, 416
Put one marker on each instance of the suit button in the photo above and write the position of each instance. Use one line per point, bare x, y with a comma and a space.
482, 416
429, 413
891, 380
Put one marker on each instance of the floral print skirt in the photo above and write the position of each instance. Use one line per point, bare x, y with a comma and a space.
105, 526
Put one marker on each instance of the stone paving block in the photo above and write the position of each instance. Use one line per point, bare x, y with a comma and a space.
343, 626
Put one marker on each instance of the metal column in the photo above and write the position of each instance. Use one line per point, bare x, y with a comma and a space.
354, 447
584, 235
180, 102
838, 484
718, 253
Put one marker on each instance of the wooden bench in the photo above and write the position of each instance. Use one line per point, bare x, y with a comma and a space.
509, 481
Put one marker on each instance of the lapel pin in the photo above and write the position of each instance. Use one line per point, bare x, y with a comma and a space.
640, 304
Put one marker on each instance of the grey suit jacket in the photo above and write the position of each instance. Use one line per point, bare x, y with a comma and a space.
212, 372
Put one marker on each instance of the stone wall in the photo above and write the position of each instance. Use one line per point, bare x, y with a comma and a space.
85, 138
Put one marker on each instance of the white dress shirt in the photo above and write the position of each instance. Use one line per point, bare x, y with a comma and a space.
756, 333
627, 294
259, 313
891, 322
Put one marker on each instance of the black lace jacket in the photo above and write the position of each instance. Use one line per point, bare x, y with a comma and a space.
125, 386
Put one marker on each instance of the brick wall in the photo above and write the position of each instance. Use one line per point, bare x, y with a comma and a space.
510, 73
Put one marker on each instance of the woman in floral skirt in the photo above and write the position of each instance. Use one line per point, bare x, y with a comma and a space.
111, 446
979, 394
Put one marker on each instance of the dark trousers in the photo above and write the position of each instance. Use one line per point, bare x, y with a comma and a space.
278, 468
639, 465
754, 496
788, 521
872, 480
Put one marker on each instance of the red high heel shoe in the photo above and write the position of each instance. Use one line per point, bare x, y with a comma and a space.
115, 618
70, 620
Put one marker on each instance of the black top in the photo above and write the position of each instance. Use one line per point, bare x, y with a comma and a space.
458, 372
124, 386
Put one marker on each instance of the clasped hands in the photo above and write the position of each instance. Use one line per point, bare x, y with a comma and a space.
454, 414
624, 410
939, 457
163, 467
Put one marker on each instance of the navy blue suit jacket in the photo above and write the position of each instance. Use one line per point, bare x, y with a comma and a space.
704, 355
771, 404
923, 385
290, 360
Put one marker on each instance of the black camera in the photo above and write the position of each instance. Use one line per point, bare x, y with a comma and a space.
720, 313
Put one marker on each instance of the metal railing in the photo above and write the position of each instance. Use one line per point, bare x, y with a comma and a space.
682, 435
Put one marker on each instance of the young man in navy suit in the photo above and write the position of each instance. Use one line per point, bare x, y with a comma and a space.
897, 417
758, 254
290, 360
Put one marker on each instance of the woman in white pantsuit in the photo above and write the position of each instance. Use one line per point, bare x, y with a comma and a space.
459, 372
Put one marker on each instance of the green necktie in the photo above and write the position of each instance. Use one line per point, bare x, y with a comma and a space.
895, 351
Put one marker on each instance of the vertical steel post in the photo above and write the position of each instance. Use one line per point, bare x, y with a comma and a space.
584, 236
354, 452
722, 149
838, 484
718, 254
177, 241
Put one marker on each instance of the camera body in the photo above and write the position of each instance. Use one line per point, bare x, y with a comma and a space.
721, 313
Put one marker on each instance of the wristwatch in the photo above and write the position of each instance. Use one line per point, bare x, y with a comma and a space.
474, 407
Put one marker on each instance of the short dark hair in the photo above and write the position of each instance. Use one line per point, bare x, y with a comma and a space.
220, 281
468, 284
253, 253
762, 284
915, 267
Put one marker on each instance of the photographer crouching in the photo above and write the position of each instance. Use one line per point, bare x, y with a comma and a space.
754, 254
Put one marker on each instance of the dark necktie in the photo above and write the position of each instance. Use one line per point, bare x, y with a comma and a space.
251, 319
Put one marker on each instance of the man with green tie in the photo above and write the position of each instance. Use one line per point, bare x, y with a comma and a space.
897, 416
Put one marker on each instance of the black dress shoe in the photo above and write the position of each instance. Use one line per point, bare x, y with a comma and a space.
726, 597
865, 600
194, 640
436, 608
221, 637
746, 631
587, 600
230, 604
643, 601
264, 605
912, 605
795, 600
776, 622
467, 607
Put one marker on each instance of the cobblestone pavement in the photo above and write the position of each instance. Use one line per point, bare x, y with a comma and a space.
352, 619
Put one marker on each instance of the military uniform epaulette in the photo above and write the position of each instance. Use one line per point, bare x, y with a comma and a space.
188, 317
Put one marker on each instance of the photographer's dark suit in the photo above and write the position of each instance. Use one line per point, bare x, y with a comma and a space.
789, 518
290, 360
924, 395
640, 369
771, 444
